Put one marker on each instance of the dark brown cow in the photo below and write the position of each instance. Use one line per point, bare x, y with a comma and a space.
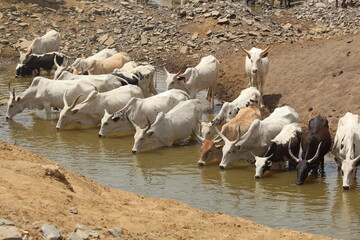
315, 142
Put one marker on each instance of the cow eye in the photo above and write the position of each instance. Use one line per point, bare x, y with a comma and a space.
172, 83
208, 132
11, 106
106, 124
341, 146
141, 139
209, 151
342, 172
229, 113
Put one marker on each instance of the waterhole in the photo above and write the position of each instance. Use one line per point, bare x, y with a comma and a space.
320, 206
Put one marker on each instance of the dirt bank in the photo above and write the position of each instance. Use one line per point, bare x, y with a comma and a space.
31, 196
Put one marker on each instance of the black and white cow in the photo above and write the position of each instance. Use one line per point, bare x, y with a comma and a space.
36, 62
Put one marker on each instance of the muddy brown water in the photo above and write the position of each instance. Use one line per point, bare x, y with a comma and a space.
320, 206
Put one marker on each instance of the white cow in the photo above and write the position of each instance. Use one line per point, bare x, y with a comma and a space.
277, 156
91, 110
207, 130
176, 125
193, 80
108, 65
347, 147
140, 111
80, 65
257, 139
248, 96
47, 93
50, 42
257, 66
127, 67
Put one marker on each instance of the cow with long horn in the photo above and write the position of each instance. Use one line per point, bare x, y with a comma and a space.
257, 66
212, 149
169, 128
277, 156
346, 147
91, 110
257, 139
315, 143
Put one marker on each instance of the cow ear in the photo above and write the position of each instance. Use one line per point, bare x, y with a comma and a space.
238, 147
218, 146
251, 161
264, 55
268, 163
181, 78
18, 99
150, 133
74, 111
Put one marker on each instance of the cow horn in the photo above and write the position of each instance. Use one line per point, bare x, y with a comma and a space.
166, 71
217, 141
226, 140
238, 135
246, 51
75, 101
56, 63
178, 73
11, 92
291, 154
338, 156
266, 49
132, 123
316, 154
201, 139
64, 99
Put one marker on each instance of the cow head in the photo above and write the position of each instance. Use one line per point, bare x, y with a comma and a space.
263, 164
348, 170
14, 105
150, 136
255, 57
117, 122
68, 114
208, 149
207, 130
304, 165
174, 81
24, 56
60, 68
230, 150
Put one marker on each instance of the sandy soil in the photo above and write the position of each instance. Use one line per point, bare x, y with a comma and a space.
32, 194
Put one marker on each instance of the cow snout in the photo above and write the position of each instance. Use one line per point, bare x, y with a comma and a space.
254, 70
200, 163
222, 167
299, 182
346, 187
133, 151
16, 76
7, 117
257, 176
100, 135
57, 128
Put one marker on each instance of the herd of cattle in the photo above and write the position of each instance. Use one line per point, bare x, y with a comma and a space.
110, 89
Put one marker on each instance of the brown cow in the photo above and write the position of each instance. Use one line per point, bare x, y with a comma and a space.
242, 121
108, 65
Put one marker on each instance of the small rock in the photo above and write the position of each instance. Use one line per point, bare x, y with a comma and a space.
10, 232
194, 36
223, 21
23, 25
85, 232
215, 13
97, 11
50, 232
182, 13
4, 222
116, 231
184, 49
149, 27
143, 40
110, 41
74, 236
310, 109
252, 33
74, 210
287, 26
209, 33
1, 15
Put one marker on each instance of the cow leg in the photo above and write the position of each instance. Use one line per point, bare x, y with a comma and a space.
47, 107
